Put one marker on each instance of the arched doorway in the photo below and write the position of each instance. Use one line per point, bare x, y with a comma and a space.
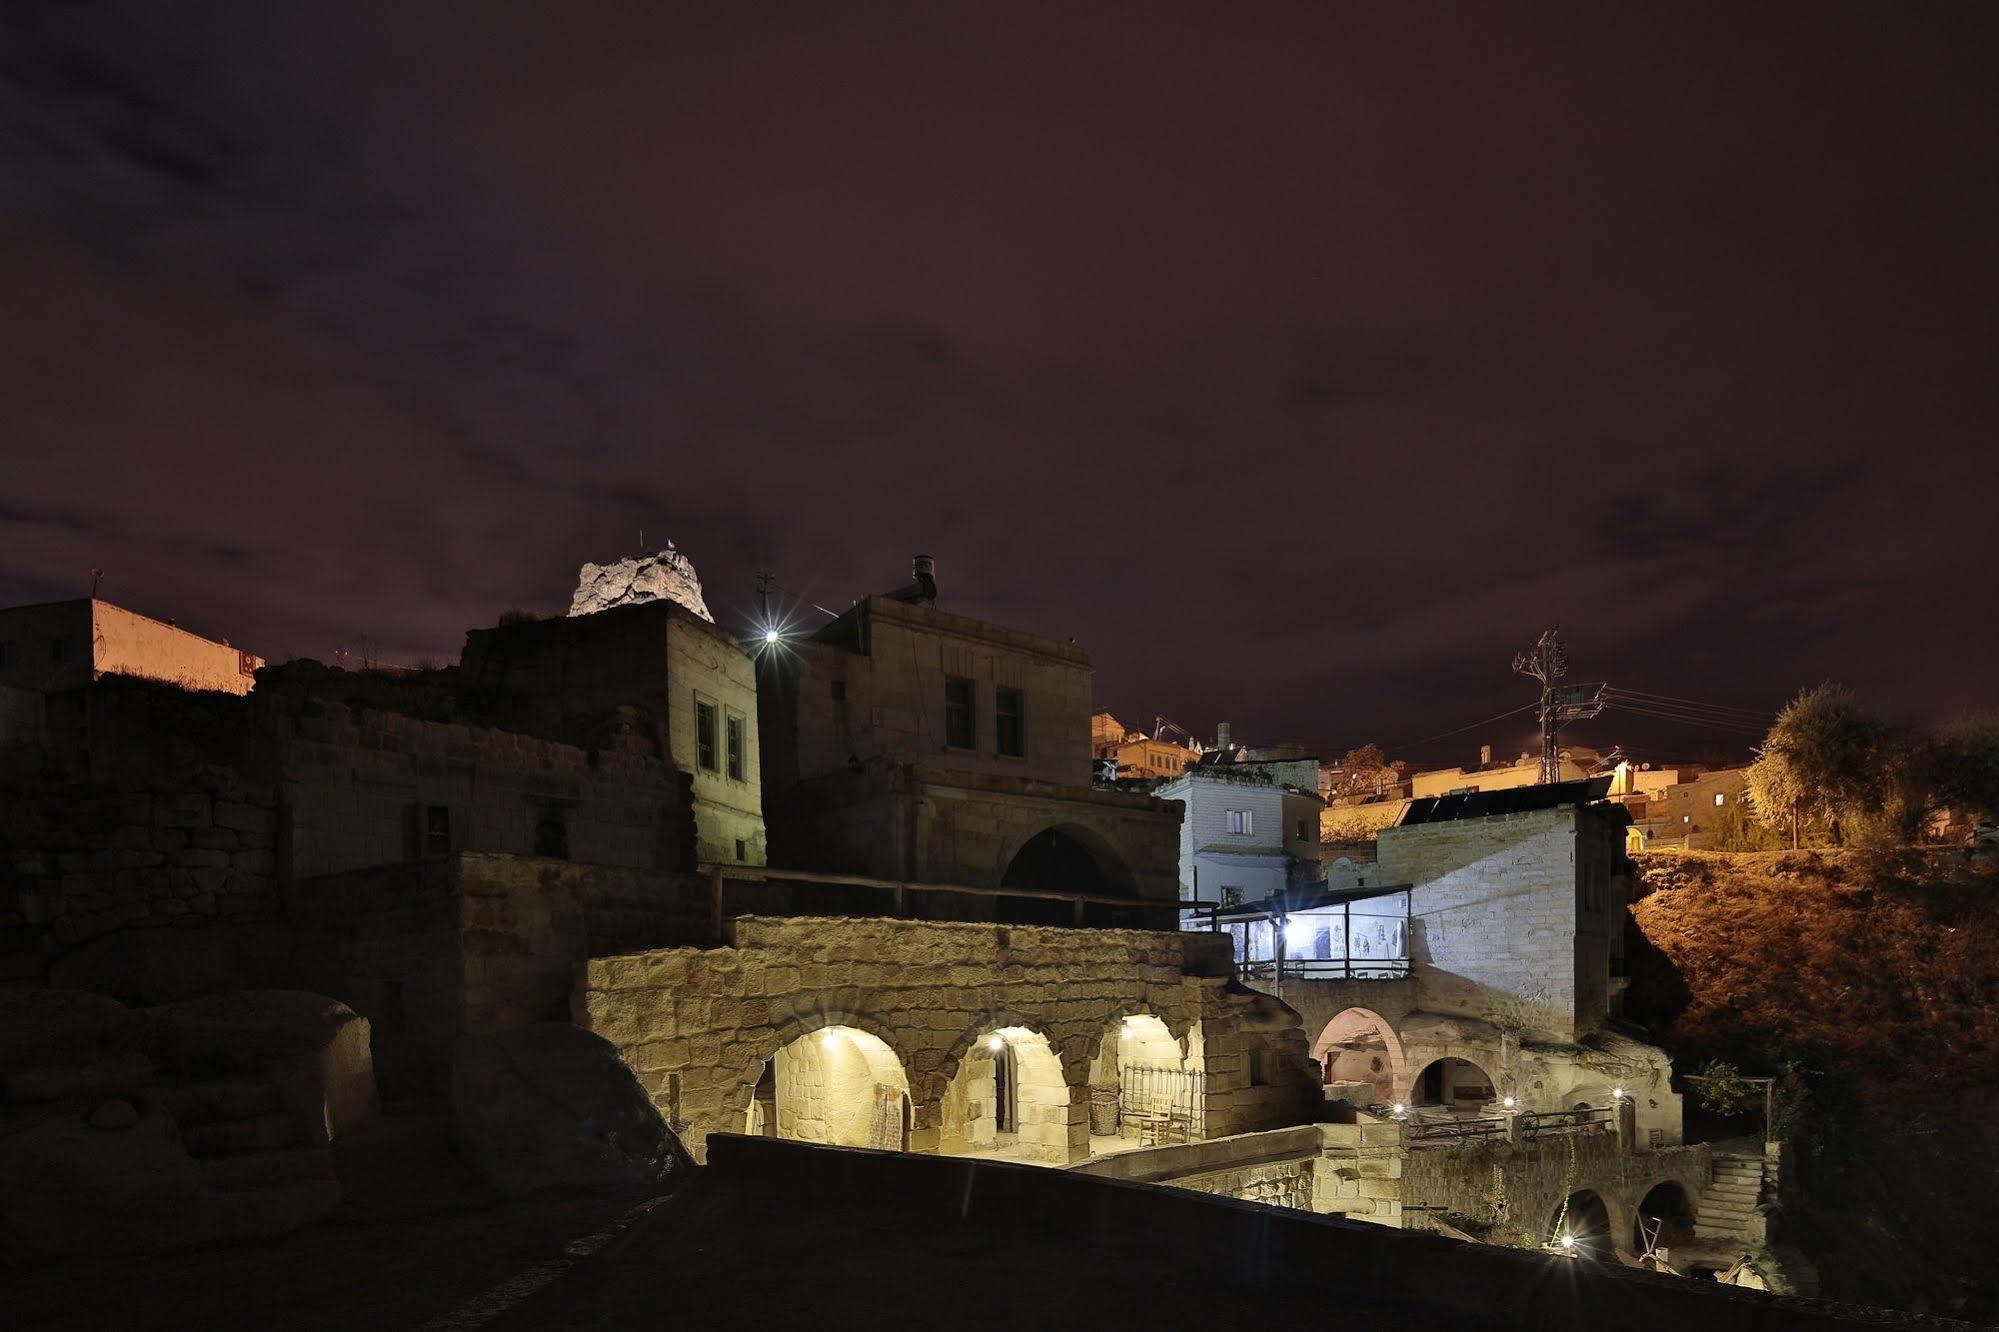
1008, 1098
1453, 1084
837, 1085
1581, 1225
1665, 1218
1069, 859
1143, 1090
1360, 1058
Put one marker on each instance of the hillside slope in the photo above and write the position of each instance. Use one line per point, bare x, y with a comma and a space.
1875, 977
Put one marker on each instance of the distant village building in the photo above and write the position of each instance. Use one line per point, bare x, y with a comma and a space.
1692, 814
1488, 775
904, 742
53, 652
1123, 753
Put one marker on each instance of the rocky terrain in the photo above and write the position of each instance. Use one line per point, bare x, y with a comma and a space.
1870, 983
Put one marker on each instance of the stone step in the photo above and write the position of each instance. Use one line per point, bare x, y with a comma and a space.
268, 1169
1723, 1211
228, 1137
1732, 1191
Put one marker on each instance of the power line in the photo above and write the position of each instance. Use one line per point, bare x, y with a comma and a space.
1696, 704
1706, 715
1459, 730
1687, 719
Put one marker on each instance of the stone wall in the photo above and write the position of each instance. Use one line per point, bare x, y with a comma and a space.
707, 666
907, 822
101, 879
1494, 918
1519, 1189
473, 942
1276, 1167
871, 686
358, 781
1076, 1221
698, 1025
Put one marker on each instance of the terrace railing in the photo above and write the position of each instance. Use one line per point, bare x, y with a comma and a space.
1444, 1132
1559, 1123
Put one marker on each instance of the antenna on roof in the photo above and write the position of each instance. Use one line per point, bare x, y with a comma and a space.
96, 577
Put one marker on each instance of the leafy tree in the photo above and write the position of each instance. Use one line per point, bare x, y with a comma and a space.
1967, 765
1820, 766
1734, 828
1361, 772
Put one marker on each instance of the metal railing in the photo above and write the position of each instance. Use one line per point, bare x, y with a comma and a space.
811, 892
1292, 968
1557, 1123
1163, 1104
1457, 1130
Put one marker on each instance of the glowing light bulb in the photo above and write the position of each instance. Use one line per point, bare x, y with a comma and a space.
1508, 1103
1401, 1109
771, 636
995, 1043
1568, 1241
1617, 1093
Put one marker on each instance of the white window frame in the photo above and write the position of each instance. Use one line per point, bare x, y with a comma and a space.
1242, 822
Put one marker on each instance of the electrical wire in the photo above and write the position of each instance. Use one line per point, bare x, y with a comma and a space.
1692, 705
1739, 727
1691, 714
1411, 744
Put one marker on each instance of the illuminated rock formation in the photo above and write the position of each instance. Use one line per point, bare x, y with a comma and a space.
667, 576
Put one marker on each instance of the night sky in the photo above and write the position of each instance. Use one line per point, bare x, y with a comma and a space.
1300, 362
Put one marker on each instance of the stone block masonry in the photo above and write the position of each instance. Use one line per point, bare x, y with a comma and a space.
698, 1025
474, 943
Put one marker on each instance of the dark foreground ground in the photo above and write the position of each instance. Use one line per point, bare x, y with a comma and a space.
779, 1235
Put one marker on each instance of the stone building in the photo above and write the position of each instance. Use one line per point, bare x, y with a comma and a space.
1473, 962
52, 653
439, 849
657, 671
1126, 754
58, 647
904, 742
1692, 813
1498, 775
1250, 830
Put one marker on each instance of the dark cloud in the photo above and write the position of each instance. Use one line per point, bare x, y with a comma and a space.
1302, 365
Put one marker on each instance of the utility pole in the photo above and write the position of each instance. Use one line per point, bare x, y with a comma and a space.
765, 581
1548, 662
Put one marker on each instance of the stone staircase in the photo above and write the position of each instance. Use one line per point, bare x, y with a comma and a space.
1726, 1211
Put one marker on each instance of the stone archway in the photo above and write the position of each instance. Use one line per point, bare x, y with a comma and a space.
1667, 1206
1452, 1083
1360, 1058
1143, 1083
1009, 1098
1581, 1225
1064, 858
837, 1085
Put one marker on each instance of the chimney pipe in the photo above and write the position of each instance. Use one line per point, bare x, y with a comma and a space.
1222, 736
923, 570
